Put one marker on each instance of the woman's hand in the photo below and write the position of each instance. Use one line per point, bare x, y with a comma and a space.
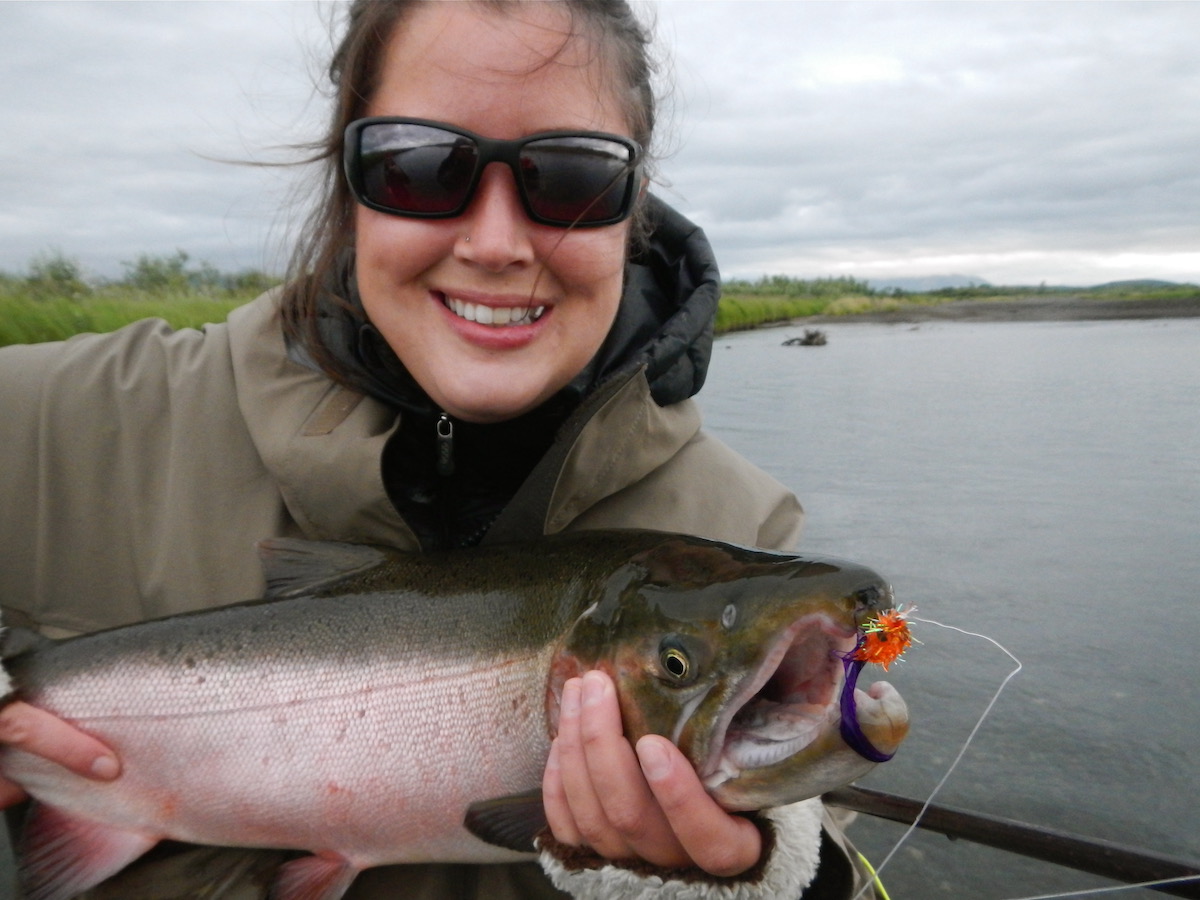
649, 803
36, 731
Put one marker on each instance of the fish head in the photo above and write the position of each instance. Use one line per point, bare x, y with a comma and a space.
738, 657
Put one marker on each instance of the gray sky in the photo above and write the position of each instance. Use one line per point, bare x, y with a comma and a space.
1016, 142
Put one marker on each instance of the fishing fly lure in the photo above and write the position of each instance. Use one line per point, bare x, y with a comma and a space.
885, 638
882, 640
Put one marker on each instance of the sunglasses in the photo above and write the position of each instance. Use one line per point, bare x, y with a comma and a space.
430, 170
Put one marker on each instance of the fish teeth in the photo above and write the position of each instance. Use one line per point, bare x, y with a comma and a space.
773, 736
496, 316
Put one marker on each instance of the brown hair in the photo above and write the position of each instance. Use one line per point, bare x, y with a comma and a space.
354, 71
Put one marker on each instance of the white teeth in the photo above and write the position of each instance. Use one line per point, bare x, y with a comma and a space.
497, 316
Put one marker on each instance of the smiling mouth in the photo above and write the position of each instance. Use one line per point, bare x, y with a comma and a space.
495, 316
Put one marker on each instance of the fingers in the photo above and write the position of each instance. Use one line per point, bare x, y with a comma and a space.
579, 812
719, 843
611, 806
44, 734
649, 804
554, 799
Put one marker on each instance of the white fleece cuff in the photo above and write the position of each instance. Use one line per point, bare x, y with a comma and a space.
791, 868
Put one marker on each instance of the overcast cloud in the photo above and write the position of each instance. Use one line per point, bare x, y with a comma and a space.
1016, 142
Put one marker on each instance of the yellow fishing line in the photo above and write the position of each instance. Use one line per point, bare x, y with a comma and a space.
883, 894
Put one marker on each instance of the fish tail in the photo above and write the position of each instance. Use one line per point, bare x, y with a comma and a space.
14, 642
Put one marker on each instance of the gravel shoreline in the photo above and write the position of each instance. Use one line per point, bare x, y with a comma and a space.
1027, 309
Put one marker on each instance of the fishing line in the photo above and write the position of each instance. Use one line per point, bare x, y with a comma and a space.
1091, 892
1088, 892
962, 750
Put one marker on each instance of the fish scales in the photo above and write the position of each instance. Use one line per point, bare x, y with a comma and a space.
377, 696
265, 703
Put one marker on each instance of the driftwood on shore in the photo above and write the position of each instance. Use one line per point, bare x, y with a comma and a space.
813, 337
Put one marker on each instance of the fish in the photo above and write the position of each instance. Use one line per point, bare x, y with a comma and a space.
380, 707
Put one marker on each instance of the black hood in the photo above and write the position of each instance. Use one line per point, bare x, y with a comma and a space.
664, 323
668, 307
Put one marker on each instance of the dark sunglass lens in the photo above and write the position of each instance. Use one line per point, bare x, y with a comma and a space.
577, 179
416, 168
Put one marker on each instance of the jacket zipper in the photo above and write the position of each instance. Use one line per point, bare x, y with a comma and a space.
445, 445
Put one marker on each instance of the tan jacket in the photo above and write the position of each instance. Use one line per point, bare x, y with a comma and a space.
139, 469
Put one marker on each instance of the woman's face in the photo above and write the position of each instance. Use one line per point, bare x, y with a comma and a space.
497, 75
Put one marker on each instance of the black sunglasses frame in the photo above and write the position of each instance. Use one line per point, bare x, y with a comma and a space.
489, 150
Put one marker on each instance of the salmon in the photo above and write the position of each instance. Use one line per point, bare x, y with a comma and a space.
383, 707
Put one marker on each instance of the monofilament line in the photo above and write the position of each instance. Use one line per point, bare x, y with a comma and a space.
962, 750
1092, 892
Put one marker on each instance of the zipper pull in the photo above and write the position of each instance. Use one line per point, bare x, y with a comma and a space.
445, 446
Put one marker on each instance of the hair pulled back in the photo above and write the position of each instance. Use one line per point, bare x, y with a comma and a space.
616, 35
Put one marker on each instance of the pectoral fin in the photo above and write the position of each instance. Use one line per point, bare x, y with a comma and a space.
511, 822
61, 856
314, 878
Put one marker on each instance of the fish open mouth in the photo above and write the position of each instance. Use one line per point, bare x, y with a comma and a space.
793, 699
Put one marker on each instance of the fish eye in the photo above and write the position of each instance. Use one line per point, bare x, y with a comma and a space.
675, 661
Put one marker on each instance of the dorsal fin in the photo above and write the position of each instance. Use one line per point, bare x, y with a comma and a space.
295, 567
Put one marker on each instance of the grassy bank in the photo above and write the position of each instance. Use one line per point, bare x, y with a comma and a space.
748, 304
53, 301
28, 321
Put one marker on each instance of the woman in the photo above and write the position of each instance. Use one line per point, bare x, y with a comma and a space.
484, 337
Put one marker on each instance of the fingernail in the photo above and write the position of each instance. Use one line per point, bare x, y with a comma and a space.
570, 698
594, 688
106, 767
655, 762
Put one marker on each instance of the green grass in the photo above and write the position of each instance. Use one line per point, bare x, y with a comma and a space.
54, 300
1147, 290
746, 305
778, 298
737, 312
30, 319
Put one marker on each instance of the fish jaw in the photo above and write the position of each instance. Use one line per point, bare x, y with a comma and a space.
780, 738
825, 763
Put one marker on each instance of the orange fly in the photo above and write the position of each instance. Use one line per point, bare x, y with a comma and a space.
885, 638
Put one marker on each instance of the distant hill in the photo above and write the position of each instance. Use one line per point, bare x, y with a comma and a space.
922, 283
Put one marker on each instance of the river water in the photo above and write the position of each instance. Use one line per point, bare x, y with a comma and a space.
1038, 483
